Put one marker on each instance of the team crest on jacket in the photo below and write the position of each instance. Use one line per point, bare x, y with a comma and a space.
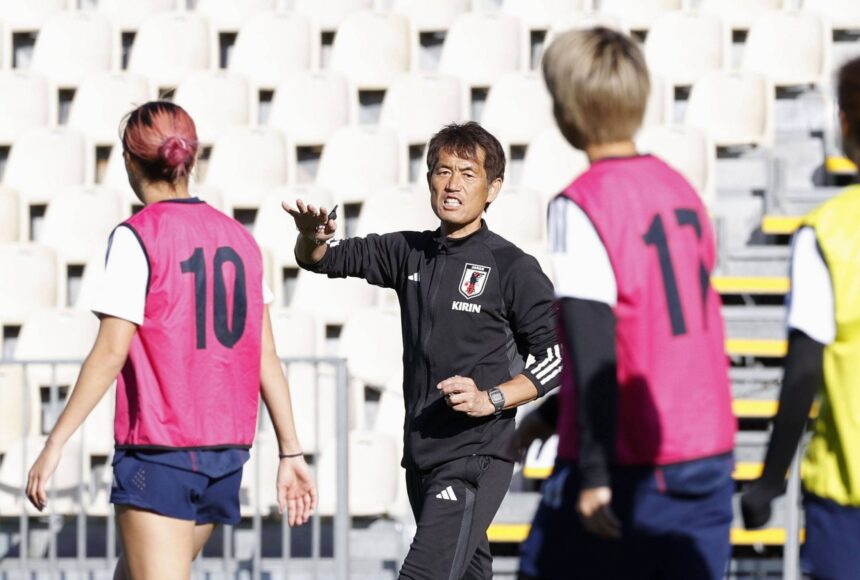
473, 281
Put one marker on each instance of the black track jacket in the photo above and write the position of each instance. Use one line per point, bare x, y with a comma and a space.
474, 307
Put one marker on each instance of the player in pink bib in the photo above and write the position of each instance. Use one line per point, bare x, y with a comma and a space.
185, 332
642, 483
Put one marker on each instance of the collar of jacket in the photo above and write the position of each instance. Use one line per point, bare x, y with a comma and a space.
455, 245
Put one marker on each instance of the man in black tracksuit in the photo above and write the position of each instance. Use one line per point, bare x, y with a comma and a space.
473, 308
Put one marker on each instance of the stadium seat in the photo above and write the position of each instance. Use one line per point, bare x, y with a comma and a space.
682, 46
733, 108
518, 107
541, 15
274, 228
309, 107
842, 14
62, 150
34, 284
272, 45
331, 300
9, 215
102, 101
246, 164
25, 103
72, 45
170, 46
116, 177
4, 49
231, 15
659, 110
585, 20
20, 411
417, 105
404, 208
740, 14
371, 48
358, 161
128, 15
518, 215
790, 47
374, 471
480, 47
433, 16
688, 150
30, 15
217, 101
372, 345
639, 14
551, 163
297, 333
329, 14
79, 221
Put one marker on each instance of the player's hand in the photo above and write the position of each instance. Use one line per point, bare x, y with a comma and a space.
313, 223
595, 512
296, 491
40, 473
532, 428
756, 505
464, 396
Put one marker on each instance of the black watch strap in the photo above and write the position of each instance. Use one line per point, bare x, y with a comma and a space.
497, 398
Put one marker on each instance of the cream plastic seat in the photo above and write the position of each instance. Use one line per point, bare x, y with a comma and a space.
518, 107
9, 215
19, 415
740, 14
357, 161
542, 14
585, 20
331, 300
245, 164
551, 164
128, 15
103, 100
308, 107
403, 208
230, 15
30, 15
518, 215
372, 48
417, 105
659, 109
790, 47
433, 16
33, 287
25, 103
217, 101
842, 14
329, 14
170, 46
688, 150
481, 47
733, 108
372, 345
115, 177
73, 45
79, 221
639, 14
272, 45
682, 46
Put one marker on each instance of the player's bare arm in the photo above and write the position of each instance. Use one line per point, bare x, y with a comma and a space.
98, 372
464, 396
316, 226
296, 491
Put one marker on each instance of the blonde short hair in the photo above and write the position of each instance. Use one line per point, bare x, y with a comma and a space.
599, 84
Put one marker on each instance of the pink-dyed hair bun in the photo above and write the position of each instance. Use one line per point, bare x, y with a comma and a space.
162, 138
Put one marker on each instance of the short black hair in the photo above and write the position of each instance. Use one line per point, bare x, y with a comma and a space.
463, 141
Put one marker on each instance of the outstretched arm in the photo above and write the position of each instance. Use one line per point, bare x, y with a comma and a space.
315, 229
98, 372
296, 491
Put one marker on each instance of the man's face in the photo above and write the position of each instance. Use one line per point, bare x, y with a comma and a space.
459, 189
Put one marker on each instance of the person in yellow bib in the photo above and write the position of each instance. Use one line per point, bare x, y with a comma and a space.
823, 359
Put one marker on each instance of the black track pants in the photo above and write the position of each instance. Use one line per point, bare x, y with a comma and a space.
454, 505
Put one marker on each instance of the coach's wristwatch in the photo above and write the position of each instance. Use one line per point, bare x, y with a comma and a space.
497, 398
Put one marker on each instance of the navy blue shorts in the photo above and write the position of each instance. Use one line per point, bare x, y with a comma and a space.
675, 520
202, 486
832, 534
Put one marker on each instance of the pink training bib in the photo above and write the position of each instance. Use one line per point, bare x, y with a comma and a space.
674, 390
192, 378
